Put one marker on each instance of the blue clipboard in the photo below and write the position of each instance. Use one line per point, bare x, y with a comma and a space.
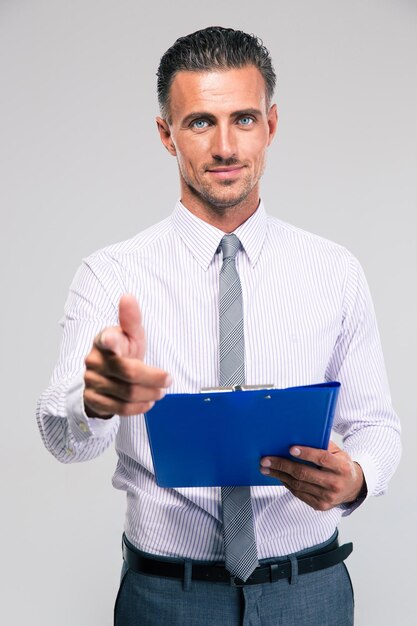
217, 438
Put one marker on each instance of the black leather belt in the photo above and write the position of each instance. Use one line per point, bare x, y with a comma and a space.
330, 555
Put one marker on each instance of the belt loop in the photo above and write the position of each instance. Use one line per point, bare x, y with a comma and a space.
188, 573
274, 572
294, 570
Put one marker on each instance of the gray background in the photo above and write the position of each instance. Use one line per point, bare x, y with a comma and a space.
82, 167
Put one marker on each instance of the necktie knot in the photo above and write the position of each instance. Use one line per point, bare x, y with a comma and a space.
229, 245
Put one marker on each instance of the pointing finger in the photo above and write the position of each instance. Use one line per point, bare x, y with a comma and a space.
135, 372
112, 340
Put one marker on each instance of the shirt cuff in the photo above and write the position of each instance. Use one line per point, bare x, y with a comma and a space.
370, 475
83, 427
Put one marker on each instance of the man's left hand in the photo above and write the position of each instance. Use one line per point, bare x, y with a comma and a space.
336, 480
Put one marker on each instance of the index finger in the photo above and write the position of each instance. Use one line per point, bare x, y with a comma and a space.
134, 371
320, 457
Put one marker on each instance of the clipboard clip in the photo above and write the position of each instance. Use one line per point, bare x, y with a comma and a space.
236, 388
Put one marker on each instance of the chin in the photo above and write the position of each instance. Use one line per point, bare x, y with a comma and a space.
226, 196
224, 203
222, 197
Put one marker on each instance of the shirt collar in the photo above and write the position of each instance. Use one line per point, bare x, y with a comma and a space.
203, 239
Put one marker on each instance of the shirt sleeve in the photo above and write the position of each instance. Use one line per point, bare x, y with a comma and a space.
67, 432
364, 415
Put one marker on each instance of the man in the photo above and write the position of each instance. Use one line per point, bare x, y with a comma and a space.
143, 318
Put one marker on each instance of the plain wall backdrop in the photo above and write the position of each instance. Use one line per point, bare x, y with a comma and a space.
81, 166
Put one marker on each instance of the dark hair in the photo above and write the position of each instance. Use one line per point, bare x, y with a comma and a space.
213, 48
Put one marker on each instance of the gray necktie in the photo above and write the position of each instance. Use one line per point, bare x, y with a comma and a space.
238, 530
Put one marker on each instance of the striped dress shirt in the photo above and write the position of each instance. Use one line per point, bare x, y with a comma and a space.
308, 318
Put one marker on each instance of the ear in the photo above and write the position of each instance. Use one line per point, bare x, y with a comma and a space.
165, 135
272, 122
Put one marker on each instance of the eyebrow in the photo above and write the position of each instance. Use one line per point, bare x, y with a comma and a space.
204, 114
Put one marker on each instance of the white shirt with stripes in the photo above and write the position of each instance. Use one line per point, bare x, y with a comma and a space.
308, 318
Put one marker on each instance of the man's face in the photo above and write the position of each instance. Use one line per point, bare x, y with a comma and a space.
219, 130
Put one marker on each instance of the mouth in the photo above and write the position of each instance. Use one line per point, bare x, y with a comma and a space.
225, 172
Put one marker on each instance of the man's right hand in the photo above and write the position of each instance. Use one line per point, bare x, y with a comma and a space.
117, 381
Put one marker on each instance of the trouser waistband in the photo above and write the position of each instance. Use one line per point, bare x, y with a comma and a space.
322, 558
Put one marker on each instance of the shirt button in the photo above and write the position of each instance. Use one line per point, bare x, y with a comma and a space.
70, 451
83, 427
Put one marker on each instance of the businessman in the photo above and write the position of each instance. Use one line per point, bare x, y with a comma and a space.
220, 293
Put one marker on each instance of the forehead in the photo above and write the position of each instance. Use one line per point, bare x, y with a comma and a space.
217, 91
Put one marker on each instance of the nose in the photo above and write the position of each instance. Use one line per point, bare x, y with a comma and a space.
224, 143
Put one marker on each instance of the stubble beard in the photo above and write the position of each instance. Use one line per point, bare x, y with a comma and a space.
220, 198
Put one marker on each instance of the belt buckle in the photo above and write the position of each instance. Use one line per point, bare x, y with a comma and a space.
237, 582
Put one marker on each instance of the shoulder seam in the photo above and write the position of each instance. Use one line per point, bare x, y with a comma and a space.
130, 246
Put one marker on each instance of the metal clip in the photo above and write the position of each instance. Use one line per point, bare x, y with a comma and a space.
236, 388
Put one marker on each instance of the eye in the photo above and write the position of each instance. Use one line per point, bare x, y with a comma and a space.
246, 120
199, 124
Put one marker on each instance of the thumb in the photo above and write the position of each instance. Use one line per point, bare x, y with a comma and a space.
333, 448
127, 339
130, 320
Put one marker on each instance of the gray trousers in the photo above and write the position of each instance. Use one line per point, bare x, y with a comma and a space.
323, 598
